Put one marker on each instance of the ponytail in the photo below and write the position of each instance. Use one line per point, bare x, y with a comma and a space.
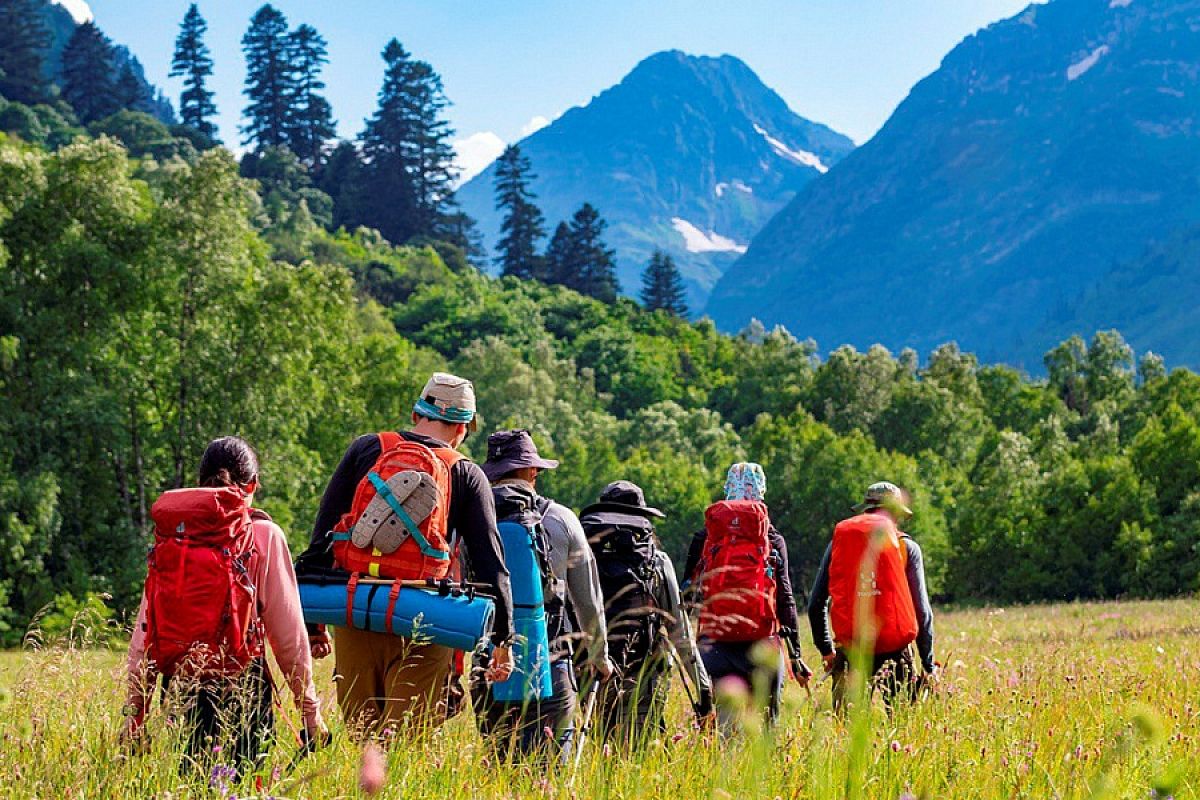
228, 461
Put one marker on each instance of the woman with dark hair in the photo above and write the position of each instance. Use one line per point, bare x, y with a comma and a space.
220, 585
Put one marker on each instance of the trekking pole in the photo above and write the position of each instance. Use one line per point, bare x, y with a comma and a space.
589, 708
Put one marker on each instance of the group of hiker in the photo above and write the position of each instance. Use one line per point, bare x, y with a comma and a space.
589, 620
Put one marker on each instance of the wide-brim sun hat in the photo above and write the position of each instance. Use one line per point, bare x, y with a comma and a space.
624, 497
510, 450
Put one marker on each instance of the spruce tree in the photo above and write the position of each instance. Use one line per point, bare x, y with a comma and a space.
269, 79
522, 226
594, 269
310, 124
89, 82
662, 286
559, 262
409, 163
24, 40
193, 61
132, 90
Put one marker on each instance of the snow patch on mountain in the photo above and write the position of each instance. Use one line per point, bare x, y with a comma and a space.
721, 188
1081, 66
80, 11
697, 241
802, 157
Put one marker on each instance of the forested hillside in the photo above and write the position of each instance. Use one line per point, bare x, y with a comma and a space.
149, 305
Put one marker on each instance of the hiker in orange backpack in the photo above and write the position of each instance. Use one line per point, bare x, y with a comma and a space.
872, 578
738, 565
383, 679
220, 586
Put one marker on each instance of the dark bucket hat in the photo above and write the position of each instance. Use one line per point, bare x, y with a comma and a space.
623, 498
509, 450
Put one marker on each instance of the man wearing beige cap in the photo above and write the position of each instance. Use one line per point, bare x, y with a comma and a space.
381, 678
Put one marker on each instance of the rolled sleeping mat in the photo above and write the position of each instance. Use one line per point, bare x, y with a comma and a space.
530, 677
457, 620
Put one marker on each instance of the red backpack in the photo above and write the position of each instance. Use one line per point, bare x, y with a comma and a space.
379, 536
867, 575
736, 575
202, 616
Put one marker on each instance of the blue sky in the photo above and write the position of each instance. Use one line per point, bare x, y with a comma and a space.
508, 66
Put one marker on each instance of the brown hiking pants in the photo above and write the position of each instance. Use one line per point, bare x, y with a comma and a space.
893, 674
388, 681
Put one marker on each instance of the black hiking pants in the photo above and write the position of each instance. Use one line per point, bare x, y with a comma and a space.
893, 674
738, 659
631, 708
229, 722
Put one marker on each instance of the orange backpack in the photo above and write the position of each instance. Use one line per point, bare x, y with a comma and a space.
379, 536
867, 569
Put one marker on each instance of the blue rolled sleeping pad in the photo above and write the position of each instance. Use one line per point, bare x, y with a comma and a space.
530, 677
453, 618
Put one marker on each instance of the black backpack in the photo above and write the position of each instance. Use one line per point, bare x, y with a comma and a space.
630, 580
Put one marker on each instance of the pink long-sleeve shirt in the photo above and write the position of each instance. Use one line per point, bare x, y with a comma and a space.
279, 607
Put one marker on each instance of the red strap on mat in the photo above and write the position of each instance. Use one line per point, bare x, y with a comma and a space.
391, 607
350, 589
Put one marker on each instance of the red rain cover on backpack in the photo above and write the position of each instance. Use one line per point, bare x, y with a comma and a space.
737, 580
414, 559
867, 568
202, 616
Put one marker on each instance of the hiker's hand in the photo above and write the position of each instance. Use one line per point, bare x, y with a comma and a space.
604, 668
828, 661
319, 643
933, 676
316, 733
501, 665
801, 671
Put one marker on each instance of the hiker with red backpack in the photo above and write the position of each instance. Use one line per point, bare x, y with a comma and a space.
219, 587
397, 507
870, 590
738, 566
648, 630
573, 604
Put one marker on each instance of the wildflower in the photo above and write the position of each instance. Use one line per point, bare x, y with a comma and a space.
907, 796
372, 769
675, 739
895, 746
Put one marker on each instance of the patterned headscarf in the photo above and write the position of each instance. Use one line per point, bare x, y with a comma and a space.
746, 481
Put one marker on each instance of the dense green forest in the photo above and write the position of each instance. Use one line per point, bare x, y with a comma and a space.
155, 293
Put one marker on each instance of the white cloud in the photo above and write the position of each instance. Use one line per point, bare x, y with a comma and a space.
1119, 3
697, 241
801, 157
534, 125
474, 153
80, 11
1087, 62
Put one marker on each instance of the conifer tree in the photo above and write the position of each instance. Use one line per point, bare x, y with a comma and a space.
269, 79
559, 262
522, 226
23, 43
132, 91
310, 123
193, 62
89, 83
662, 286
409, 163
594, 269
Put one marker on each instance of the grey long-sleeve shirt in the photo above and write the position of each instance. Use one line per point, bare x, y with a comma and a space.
680, 630
914, 569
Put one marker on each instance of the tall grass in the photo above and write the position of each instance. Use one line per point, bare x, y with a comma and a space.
1070, 701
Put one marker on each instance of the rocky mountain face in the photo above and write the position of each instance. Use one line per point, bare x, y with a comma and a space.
1047, 151
688, 154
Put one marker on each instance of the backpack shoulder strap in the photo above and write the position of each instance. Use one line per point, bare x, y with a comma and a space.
388, 440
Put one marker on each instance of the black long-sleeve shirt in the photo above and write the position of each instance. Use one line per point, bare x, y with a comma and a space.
785, 600
914, 570
472, 517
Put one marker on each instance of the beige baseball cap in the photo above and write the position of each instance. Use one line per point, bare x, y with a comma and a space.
448, 398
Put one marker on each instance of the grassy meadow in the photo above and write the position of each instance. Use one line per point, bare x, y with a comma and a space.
1068, 701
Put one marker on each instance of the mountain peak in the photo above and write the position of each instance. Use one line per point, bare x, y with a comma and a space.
688, 154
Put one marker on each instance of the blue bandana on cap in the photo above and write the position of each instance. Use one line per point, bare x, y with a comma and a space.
448, 414
746, 481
